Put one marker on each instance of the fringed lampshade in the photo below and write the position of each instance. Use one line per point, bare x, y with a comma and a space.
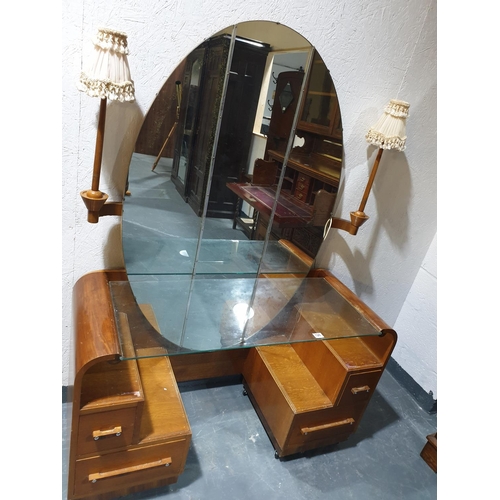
390, 130
107, 76
388, 133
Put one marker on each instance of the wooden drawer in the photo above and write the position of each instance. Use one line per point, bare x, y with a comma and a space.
308, 433
128, 468
104, 431
359, 387
302, 187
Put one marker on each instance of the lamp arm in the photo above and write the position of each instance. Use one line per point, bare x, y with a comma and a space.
343, 224
359, 217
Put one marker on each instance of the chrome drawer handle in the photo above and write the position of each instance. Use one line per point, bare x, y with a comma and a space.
112, 473
116, 431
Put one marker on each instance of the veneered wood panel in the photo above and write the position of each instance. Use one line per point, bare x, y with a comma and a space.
323, 365
208, 365
163, 407
298, 386
268, 397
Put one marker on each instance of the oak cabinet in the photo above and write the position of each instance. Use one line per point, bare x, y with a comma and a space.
130, 431
313, 394
129, 427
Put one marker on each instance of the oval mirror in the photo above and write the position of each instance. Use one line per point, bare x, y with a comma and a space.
234, 174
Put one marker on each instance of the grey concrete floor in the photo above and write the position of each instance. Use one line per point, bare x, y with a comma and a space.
231, 456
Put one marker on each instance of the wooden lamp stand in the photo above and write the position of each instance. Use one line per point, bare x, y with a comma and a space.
359, 217
108, 76
388, 133
95, 200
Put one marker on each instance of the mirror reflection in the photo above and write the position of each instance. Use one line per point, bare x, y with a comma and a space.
233, 176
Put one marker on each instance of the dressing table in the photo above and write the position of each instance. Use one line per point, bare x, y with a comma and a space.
310, 373
190, 306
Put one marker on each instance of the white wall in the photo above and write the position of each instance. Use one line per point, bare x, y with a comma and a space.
416, 349
376, 50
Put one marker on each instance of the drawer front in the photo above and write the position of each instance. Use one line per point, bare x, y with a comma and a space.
302, 187
110, 430
359, 387
321, 428
115, 471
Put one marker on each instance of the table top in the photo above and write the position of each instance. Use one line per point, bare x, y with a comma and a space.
209, 314
289, 211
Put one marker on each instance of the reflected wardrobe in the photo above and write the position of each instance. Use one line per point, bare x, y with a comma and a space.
202, 90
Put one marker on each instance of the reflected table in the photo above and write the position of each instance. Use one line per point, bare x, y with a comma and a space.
165, 255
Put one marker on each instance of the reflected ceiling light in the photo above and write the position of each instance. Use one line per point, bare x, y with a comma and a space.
389, 132
251, 42
106, 76
243, 313
184, 253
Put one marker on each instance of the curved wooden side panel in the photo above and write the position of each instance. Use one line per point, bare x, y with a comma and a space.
95, 340
96, 337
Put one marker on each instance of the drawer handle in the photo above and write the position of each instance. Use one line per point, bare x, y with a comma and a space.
116, 431
112, 473
306, 430
364, 388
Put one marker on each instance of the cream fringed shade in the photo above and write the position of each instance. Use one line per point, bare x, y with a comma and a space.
390, 130
107, 76
388, 133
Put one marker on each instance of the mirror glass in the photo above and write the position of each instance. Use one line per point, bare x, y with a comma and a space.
234, 174
286, 97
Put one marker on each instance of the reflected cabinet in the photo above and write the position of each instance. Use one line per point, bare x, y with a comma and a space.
320, 112
202, 90
310, 174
